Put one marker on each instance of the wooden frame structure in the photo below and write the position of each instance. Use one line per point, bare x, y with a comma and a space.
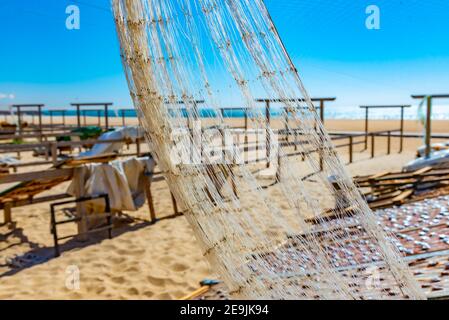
320, 107
19, 111
38, 181
5, 114
428, 135
268, 103
401, 127
122, 113
51, 149
80, 220
80, 106
52, 113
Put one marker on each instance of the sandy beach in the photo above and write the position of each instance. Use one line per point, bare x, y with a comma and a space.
143, 261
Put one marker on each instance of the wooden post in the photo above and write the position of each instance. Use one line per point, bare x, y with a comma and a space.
150, 199
389, 143
257, 145
106, 108
80, 207
175, 205
7, 213
366, 127
78, 116
429, 126
39, 109
123, 118
99, 117
322, 110
54, 153
47, 151
372, 145
321, 158
267, 132
279, 172
19, 119
63, 117
350, 149
296, 139
138, 147
401, 143
322, 120
223, 145
246, 128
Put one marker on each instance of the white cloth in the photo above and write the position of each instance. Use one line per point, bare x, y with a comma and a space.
131, 133
123, 181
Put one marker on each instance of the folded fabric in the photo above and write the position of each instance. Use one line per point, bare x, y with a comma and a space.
123, 181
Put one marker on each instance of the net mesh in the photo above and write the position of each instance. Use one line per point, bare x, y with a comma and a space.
260, 199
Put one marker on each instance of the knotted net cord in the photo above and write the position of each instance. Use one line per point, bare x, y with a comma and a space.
259, 239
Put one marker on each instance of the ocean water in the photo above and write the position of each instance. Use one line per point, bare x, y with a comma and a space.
439, 112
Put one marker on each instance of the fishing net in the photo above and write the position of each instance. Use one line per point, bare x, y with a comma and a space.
274, 210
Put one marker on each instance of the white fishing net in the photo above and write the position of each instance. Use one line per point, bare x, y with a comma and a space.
306, 233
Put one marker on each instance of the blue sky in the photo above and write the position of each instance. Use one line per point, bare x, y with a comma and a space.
42, 61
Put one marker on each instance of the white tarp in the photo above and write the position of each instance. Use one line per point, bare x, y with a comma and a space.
434, 147
123, 181
437, 160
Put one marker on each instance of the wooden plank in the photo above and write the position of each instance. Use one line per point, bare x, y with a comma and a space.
32, 146
197, 293
86, 160
30, 201
404, 195
29, 176
388, 195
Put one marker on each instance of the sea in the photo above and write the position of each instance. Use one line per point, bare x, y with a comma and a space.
439, 112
